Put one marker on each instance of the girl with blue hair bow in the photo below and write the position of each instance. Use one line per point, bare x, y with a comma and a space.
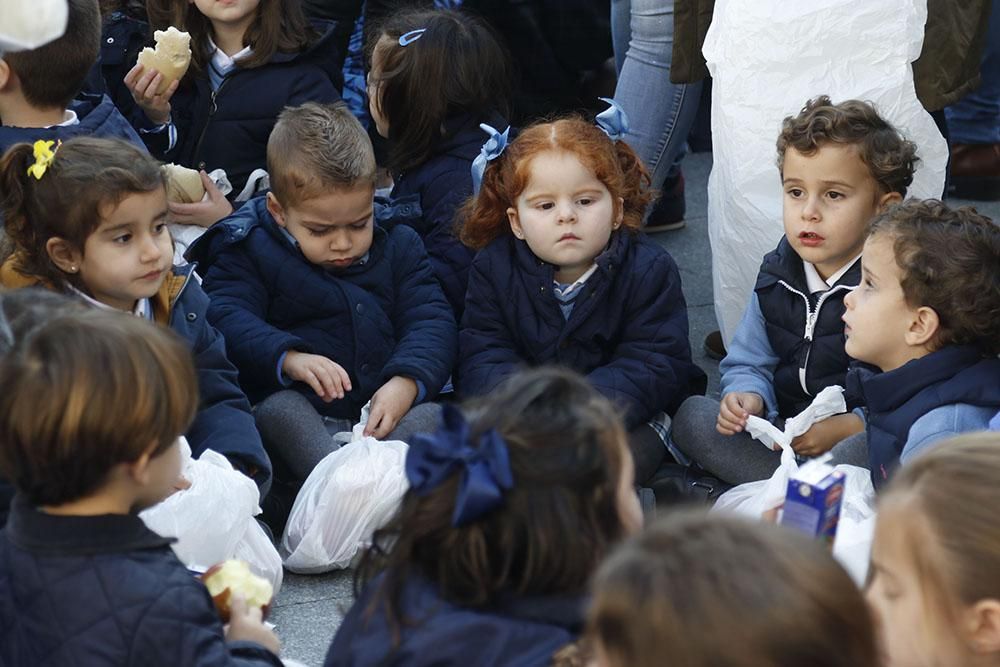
507, 516
564, 276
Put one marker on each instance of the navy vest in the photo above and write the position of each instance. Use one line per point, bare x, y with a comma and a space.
804, 332
895, 400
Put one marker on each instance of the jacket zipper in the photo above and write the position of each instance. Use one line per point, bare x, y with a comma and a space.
812, 315
212, 108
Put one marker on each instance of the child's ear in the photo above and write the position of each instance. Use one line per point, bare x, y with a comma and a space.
515, 223
274, 208
621, 213
64, 255
138, 470
923, 327
888, 199
984, 626
4, 73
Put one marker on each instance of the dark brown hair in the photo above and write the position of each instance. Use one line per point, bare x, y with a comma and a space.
484, 218
279, 27
566, 446
52, 75
889, 157
457, 66
946, 500
314, 148
949, 260
85, 392
87, 176
697, 590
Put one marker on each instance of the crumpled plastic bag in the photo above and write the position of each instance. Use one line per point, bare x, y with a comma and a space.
827, 403
213, 519
350, 494
29, 24
767, 57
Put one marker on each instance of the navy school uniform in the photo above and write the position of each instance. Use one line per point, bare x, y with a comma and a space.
384, 317
97, 115
627, 332
98, 591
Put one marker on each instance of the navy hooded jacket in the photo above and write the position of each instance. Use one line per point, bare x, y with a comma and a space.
628, 332
523, 632
378, 319
439, 186
98, 117
105, 591
229, 128
894, 401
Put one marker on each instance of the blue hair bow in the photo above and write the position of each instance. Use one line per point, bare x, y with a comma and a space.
612, 120
484, 466
491, 150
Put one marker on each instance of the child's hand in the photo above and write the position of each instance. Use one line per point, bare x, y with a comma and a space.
247, 624
734, 410
822, 436
389, 404
328, 379
203, 213
143, 85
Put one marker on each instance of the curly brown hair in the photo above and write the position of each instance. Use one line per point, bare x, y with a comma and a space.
483, 218
950, 261
890, 158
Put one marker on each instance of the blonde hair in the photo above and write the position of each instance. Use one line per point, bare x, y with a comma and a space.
317, 147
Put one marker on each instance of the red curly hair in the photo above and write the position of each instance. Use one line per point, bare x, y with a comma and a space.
483, 218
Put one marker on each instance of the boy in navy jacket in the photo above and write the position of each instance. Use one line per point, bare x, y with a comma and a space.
311, 294
930, 321
38, 88
90, 438
840, 165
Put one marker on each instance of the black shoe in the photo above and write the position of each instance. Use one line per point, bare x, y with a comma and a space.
714, 347
668, 211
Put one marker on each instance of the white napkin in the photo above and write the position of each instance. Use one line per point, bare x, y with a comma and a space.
827, 403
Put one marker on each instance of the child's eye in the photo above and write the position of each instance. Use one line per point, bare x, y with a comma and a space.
868, 284
122, 239
545, 206
359, 225
835, 195
317, 232
794, 192
586, 201
159, 228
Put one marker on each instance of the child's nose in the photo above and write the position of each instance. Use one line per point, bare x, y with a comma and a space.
150, 249
810, 211
566, 212
849, 299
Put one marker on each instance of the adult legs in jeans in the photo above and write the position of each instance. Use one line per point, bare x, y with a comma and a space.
660, 113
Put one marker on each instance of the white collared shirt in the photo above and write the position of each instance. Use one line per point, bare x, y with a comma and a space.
815, 282
69, 118
221, 63
143, 307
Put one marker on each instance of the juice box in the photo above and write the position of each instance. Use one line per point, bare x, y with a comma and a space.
813, 499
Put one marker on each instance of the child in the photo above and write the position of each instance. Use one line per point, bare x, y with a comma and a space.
89, 437
88, 218
840, 164
699, 590
936, 555
250, 59
39, 88
563, 276
435, 76
930, 321
506, 518
311, 294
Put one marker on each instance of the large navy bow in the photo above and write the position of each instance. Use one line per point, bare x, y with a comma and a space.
491, 150
485, 466
613, 120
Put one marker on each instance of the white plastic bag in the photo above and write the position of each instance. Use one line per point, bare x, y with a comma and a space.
767, 57
213, 520
348, 495
853, 544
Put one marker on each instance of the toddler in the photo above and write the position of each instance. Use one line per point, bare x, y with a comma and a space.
930, 321
840, 164
507, 516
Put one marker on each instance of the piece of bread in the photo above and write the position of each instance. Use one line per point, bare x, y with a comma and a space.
184, 185
171, 56
233, 577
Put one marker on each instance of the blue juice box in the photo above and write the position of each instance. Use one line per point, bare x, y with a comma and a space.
813, 499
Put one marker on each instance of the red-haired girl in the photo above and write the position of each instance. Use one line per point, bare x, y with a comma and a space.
564, 276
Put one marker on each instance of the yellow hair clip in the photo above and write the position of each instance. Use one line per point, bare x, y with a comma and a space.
44, 155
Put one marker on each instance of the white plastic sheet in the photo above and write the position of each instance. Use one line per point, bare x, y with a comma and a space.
213, 520
767, 57
28, 24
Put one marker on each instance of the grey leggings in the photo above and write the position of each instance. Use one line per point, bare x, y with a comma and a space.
737, 459
293, 430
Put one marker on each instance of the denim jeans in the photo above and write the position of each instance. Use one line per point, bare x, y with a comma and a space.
660, 113
975, 119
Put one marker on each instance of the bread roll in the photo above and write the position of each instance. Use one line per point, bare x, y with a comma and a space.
184, 185
171, 56
233, 577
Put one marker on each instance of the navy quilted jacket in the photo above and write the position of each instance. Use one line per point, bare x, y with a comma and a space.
104, 591
438, 187
98, 118
628, 331
382, 318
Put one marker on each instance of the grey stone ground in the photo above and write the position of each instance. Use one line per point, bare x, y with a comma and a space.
309, 608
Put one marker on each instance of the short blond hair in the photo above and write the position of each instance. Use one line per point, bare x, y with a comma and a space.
318, 147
